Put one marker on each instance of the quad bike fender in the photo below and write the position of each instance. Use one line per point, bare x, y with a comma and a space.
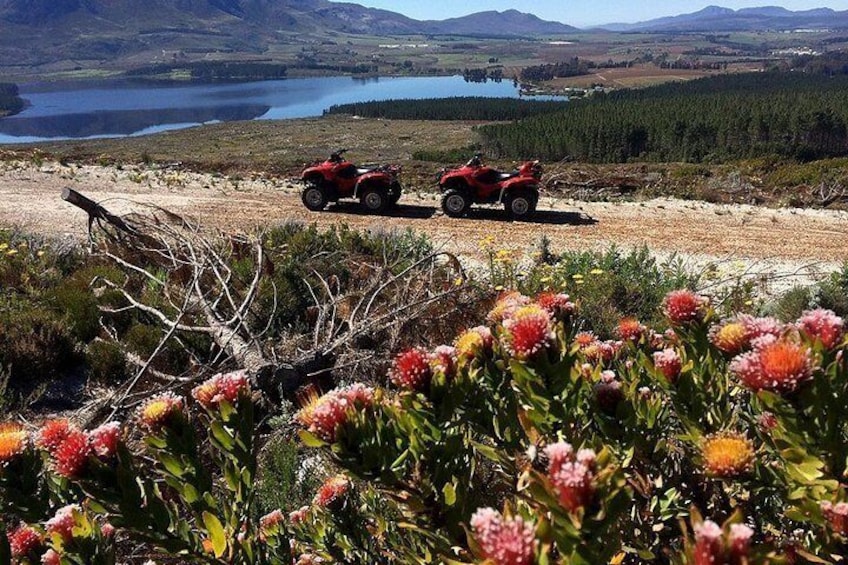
314, 174
375, 179
518, 184
454, 175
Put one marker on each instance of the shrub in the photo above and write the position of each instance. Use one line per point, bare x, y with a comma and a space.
106, 361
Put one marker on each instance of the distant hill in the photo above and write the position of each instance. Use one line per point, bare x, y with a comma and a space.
716, 18
55, 34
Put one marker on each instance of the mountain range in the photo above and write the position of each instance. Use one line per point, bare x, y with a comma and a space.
716, 18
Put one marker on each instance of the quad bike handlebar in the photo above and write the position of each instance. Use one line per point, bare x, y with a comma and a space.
336, 156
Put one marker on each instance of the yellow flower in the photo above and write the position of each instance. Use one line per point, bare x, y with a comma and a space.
4, 246
577, 277
749, 302
12, 252
596, 272
579, 281
458, 282
499, 288
40, 253
545, 279
727, 454
13, 440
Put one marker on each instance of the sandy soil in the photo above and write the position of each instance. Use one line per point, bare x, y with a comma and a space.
791, 245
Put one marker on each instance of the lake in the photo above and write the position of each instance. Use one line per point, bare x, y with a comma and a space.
119, 109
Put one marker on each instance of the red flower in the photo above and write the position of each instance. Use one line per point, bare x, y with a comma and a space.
630, 329
571, 476
299, 515
443, 361
668, 362
53, 433
504, 541
221, 388
585, 339
104, 439
837, 515
530, 331
23, 541
684, 306
331, 492
50, 557
608, 392
823, 325
411, 370
71, 456
556, 304
709, 549
506, 306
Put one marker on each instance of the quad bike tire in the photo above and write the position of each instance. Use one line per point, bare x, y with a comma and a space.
374, 200
315, 196
395, 195
521, 205
455, 203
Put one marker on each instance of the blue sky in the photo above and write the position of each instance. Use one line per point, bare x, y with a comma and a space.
582, 12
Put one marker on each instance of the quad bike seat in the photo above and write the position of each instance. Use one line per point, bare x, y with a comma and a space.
365, 170
505, 176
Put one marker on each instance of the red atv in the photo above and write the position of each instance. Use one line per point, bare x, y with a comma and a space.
377, 188
476, 183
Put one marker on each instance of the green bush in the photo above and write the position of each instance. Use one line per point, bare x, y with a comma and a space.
106, 361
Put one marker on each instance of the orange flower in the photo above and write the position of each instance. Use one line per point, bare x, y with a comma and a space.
774, 365
331, 492
630, 329
71, 456
730, 337
323, 416
13, 441
727, 454
53, 433
473, 342
221, 388
684, 306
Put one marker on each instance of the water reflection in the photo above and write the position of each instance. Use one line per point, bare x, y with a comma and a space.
123, 122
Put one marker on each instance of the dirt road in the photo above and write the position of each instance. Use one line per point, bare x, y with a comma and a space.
779, 241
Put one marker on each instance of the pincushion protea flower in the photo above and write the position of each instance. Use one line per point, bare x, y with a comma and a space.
684, 306
823, 325
62, 523
411, 370
776, 365
668, 362
13, 441
53, 433
331, 491
714, 547
70, 458
24, 541
731, 336
585, 339
630, 329
556, 304
443, 361
727, 454
322, 416
160, 410
836, 515
506, 305
269, 524
608, 392
50, 557
504, 541
473, 342
104, 439
529, 331
572, 476
299, 515
223, 387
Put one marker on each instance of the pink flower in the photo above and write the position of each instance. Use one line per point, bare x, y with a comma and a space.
473, 342
837, 515
107, 530
823, 325
684, 306
709, 549
608, 392
740, 541
299, 515
571, 476
270, 523
506, 305
757, 328
323, 416
223, 387
504, 541
411, 370
776, 365
23, 541
443, 360
50, 557
62, 523
668, 363
70, 457
104, 439
529, 332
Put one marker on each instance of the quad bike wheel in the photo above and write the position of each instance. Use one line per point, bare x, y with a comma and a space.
314, 197
521, 205
394, 196
374, 200
455, 203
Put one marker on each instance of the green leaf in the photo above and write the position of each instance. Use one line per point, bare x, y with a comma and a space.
450, 494
310, 440
216, 533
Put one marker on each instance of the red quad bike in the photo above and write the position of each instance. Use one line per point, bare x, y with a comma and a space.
476, 183
377, 188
